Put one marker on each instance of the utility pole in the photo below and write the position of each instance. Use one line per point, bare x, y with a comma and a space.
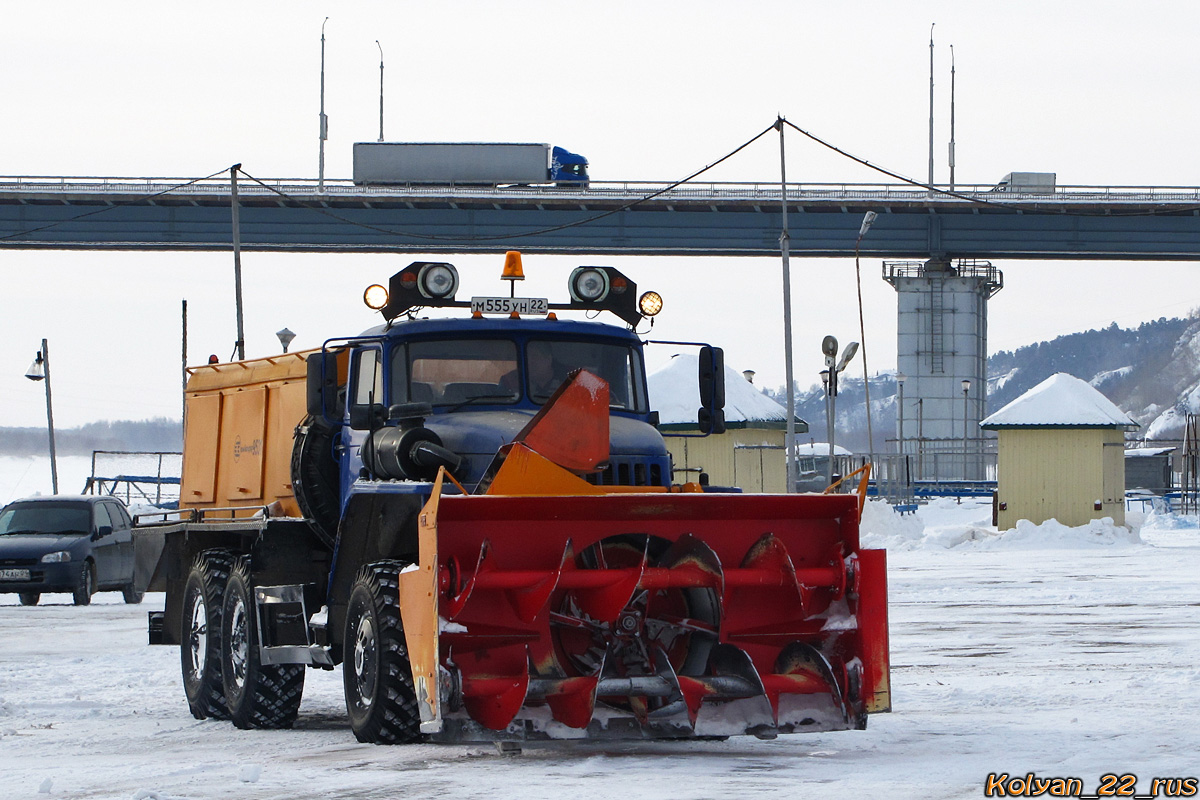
240, 344
784, 246
952, 118
930, 181
324, 132
183, 364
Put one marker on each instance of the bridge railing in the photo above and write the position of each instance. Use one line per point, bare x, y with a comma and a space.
764, 191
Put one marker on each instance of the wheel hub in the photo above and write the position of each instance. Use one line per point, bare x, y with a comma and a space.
239, 644
365, 661
198, 637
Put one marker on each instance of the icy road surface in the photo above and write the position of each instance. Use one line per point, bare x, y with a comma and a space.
1071, 661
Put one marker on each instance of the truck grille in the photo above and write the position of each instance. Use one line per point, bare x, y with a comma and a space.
627, 472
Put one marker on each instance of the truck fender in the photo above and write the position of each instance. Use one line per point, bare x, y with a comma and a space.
374, 527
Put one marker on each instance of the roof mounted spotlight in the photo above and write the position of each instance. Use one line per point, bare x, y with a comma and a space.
438, 281
421, 283
375, 296
589, 285
650, 303
605, 289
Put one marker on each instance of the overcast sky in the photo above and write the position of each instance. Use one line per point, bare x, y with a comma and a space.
1100, 92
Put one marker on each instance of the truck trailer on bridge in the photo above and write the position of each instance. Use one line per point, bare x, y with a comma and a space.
479, 163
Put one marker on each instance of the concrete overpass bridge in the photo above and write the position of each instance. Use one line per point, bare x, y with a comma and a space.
613, 218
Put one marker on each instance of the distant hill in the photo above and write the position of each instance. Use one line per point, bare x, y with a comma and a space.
160, 434
1152, 372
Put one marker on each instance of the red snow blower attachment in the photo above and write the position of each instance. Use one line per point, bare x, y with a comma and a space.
553, 608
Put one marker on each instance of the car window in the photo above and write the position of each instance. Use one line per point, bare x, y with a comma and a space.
119, 515
45, 518
102, 517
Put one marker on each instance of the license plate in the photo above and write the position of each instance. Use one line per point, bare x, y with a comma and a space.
14, 574
507, 305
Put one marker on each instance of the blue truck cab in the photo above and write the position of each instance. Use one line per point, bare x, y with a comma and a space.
567, 168
390, 407
474, 383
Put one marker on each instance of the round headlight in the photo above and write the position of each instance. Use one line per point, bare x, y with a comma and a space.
376, 297
589, 284
650, 303
438, 280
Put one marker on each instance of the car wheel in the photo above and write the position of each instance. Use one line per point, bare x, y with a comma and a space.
380, 697
132, 596
257, 695
82, 595
30, 598
200, 634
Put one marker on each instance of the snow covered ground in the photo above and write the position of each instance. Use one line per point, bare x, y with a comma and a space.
1066, 653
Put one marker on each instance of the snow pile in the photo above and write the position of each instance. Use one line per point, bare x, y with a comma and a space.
1052, 534
1167, 521
946, 524
881, 526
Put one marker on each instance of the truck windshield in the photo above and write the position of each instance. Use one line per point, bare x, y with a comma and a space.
45, 518
455, 371
548, 363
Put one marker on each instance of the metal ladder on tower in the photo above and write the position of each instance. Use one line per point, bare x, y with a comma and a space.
936, 313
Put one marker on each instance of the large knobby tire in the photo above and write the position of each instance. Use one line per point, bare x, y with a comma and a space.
30, 598
380, 697
82, 594
200, 634
257, 695
315, 478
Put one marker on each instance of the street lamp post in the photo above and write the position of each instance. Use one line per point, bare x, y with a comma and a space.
966, 387
377, 44
40, 370
829, 378
285, 338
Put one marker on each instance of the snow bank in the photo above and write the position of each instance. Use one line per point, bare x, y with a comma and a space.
946, 524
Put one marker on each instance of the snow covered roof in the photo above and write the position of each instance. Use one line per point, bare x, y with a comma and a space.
820, 449
675, 394
1146, 452
1060, 401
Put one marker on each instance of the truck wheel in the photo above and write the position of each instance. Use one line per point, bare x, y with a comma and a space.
131, 595
82, 595
380, 697
30, 598
200, 634
257, 695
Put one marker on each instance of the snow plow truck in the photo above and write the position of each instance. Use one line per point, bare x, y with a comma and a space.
476, 518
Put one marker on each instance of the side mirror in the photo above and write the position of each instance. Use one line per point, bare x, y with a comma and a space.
323, 386
366, 418
711, 415
102, 531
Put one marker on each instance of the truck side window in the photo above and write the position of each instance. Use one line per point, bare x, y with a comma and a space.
368, 378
